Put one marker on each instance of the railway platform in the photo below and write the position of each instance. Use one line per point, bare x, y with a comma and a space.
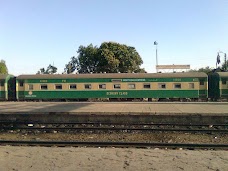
183, 112
157, 108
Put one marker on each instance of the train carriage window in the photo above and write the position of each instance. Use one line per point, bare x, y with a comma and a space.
177, 85
30, 86
146, 86
191, 85
88, 86
201, 82
58, 86
21, 83
116, 86
73, 86
2, 83
131, 86
161, 85
43, 87
102, 86
223, 81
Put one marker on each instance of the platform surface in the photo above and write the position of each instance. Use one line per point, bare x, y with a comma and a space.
109, 159
204, 108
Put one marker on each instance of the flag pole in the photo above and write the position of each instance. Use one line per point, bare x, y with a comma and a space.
218, 60
156, 57
225, 62
155, 43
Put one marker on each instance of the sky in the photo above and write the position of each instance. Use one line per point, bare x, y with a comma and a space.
36, 33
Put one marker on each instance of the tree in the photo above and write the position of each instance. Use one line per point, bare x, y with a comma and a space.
86, 62
225, 66
207, 69
50, 70
110, 57
71, 66
119, 58
3, 67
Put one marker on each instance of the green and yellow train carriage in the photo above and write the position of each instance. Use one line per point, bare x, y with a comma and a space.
116, 85
7, 87
218, 85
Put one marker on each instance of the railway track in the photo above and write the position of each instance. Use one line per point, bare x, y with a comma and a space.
116, 144
106, 127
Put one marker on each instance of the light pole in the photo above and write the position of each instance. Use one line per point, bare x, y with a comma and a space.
225, 62
218, 59
156, 44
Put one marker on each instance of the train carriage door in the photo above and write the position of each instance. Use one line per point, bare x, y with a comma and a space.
216, 87
12, 88
213, 86
1, 89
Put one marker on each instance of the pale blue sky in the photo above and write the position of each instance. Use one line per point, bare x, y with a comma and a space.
36, 33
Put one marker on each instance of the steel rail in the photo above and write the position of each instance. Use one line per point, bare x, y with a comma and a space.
115, 144
117, 129
107, 123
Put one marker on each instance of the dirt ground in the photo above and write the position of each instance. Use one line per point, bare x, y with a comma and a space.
167, 137
70, 159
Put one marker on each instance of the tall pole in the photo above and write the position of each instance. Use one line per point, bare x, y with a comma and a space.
156, 57
218, 59
225, 62
156, 44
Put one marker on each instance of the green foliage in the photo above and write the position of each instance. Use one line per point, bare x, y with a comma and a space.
119, 58
110, 57
86, 62
71, 66
206, 70
225, 66
3, 67
50, 70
